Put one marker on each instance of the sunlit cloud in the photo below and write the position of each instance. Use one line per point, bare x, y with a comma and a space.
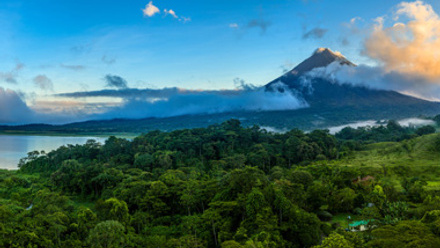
170, 12
410, 44
406, 47
150, 10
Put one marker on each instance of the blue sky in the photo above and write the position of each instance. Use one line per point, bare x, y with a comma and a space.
73, 45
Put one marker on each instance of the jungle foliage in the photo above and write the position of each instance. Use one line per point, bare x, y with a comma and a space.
228, 186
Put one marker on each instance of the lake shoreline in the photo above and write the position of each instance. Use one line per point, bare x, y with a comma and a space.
64, 134
15, 147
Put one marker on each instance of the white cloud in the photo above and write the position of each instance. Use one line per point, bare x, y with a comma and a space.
184, 19
150, 10
170, 12
233, 25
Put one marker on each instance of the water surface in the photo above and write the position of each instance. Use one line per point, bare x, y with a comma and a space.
15, 147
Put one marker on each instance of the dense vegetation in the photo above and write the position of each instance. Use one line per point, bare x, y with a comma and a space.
229, 186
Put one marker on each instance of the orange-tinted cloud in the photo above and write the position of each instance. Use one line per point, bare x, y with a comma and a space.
411, 45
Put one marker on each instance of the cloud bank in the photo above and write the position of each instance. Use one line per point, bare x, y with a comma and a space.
167, 102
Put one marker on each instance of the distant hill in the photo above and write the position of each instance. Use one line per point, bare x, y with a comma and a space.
330, 103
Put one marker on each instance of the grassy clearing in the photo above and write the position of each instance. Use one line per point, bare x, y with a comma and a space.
393, 161
433, 185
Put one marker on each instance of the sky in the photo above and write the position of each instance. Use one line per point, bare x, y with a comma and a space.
52, 48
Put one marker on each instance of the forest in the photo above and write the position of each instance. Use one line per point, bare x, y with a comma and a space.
230, 186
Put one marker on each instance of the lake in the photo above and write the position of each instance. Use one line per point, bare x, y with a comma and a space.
15, 147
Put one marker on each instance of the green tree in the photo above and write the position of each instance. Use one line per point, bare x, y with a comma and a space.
335, 240
113, 209
107, 234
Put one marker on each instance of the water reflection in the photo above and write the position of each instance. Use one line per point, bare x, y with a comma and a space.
15, 147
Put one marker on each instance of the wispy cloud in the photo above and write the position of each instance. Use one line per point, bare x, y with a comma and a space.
170, 12
150, 10
114, 81
175, 16
315, 33
233, 25
73, 67
80, 49
108, 60
184, 19
11, 76
260, 23
43, 82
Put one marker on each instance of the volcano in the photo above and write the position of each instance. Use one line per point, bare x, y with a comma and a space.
327, 94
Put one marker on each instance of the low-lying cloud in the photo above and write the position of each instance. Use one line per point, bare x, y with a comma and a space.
167, 102
410, 122
377, 77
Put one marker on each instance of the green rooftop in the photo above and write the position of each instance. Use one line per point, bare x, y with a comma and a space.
359, 223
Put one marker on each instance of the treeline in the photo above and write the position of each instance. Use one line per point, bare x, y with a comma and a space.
221, 186
392, 131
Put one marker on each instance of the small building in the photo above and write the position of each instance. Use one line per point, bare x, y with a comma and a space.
359, 226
